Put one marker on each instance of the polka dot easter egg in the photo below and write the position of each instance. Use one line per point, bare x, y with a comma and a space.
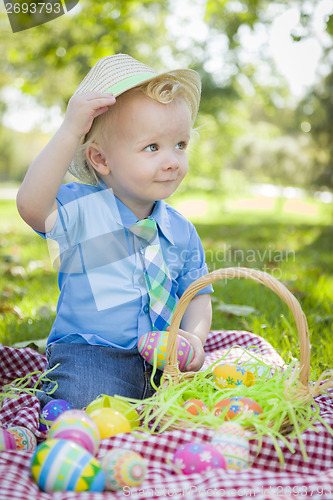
51, 411
123, 468
83, 432
229, 439
197, 457
226, 376
158, 340
61, 465
24, 438
195, 407
237, 406
7, 440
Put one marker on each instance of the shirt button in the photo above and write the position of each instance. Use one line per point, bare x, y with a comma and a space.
142, 250
146, 308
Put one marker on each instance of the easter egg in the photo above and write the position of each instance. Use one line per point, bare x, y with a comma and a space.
78, 415
197, 457
7, 440
229, 439
61, 465
83, 432
24, 438
123, 468
225, 375
158, 340
237, 405
195, 407
51, 411
110, 422
105, 401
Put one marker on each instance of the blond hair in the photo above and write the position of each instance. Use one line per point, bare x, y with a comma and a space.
163, 89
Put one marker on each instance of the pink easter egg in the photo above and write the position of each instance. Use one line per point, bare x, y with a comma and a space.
81, 415
80, 429
157, 340
7, 440
24, 438
198, 457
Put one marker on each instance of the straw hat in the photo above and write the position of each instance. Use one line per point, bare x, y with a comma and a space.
120, 72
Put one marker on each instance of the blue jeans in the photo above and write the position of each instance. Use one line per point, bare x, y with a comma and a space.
86, 371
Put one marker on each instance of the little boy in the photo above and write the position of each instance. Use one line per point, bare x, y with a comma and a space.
126, 256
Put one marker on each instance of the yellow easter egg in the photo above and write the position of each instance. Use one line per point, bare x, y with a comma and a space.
105, 401
226, 376
110, 422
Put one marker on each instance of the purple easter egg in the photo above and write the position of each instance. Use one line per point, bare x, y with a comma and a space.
51, 411
198, 457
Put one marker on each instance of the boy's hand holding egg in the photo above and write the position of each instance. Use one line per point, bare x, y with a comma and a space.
198, 357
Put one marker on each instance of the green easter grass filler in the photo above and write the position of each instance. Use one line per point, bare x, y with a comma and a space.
285, 415
20, 385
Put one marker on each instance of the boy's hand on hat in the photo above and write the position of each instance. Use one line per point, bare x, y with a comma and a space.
83, 109
199, 353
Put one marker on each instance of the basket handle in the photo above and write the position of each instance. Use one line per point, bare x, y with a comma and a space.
259, 276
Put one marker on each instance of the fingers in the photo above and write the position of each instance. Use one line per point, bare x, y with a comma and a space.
84, 108
199, 353
101, 97
100, 111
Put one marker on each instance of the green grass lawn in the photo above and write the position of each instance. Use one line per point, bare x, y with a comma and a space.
295, 249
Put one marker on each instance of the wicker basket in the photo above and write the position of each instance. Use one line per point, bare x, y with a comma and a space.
172, 375
171, 367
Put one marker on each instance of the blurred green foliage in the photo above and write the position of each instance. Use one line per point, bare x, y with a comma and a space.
250, 131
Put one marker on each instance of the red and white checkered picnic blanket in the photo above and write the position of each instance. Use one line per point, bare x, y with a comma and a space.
263, 480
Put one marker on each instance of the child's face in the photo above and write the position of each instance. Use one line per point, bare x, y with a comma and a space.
146, 154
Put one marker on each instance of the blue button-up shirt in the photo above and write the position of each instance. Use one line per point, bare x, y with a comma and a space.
103, 296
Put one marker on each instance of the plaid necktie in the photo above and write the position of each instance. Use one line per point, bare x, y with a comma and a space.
162, 298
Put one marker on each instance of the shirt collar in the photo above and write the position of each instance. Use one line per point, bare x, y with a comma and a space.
125, 217
161, 216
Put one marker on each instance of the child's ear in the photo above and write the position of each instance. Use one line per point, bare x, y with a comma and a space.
97, 159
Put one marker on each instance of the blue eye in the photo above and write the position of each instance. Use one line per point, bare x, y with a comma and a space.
151, 147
